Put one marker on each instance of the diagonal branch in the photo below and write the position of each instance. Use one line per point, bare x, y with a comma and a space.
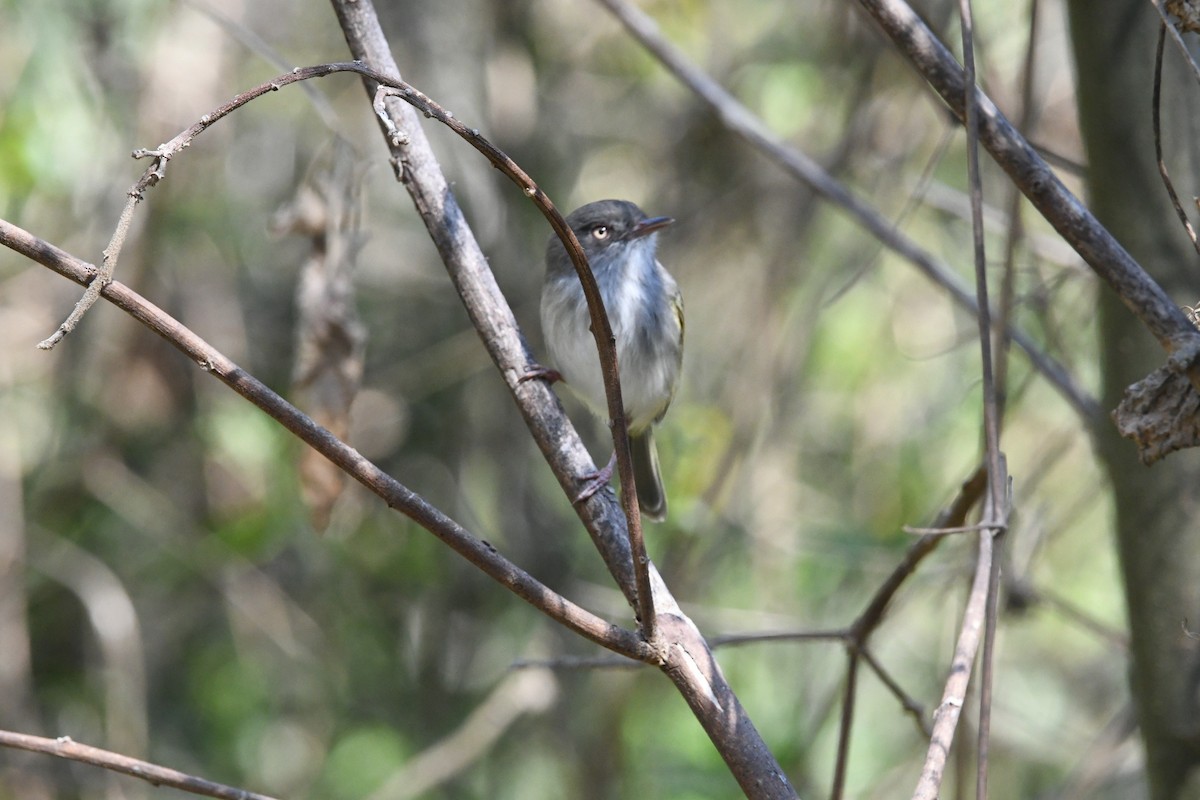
396, 495
402, 140
954, 694
65, 747
1140, 293
420, 173
995, 510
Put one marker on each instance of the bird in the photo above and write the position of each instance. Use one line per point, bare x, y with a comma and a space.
645, 311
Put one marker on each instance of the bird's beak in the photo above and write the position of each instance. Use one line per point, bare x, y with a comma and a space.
648, 226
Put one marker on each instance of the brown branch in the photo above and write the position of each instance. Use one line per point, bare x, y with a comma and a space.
847, 721
740, 120
739, 639
65, 747
1015, 234
996, 513
910, 705
986, 677
396, 495
955, 692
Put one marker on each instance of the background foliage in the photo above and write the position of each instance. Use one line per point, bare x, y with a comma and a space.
176, 601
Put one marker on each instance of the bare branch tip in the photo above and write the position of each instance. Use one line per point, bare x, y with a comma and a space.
155, 152
49, 343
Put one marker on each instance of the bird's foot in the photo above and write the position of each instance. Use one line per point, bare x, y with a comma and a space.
539, 373
596, 481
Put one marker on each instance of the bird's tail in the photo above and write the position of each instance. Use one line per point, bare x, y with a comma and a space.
646, 477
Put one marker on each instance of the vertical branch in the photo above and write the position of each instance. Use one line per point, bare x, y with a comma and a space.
977, 609
1155, 114
991, 428
993, 508
843, 749
955, 692
987, 670
1016, 225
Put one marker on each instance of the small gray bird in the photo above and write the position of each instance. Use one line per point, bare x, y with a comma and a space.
645, 311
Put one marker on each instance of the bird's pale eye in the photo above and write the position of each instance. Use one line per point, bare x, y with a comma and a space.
600, 232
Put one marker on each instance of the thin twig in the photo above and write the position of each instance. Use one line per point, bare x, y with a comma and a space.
986, 677
740, 120
150, 178
844, 725
955, 692
996, 514
1155, 116
910, 705
600, 327
562, 663
740, 639
976, 528
1015, 235
65, 747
